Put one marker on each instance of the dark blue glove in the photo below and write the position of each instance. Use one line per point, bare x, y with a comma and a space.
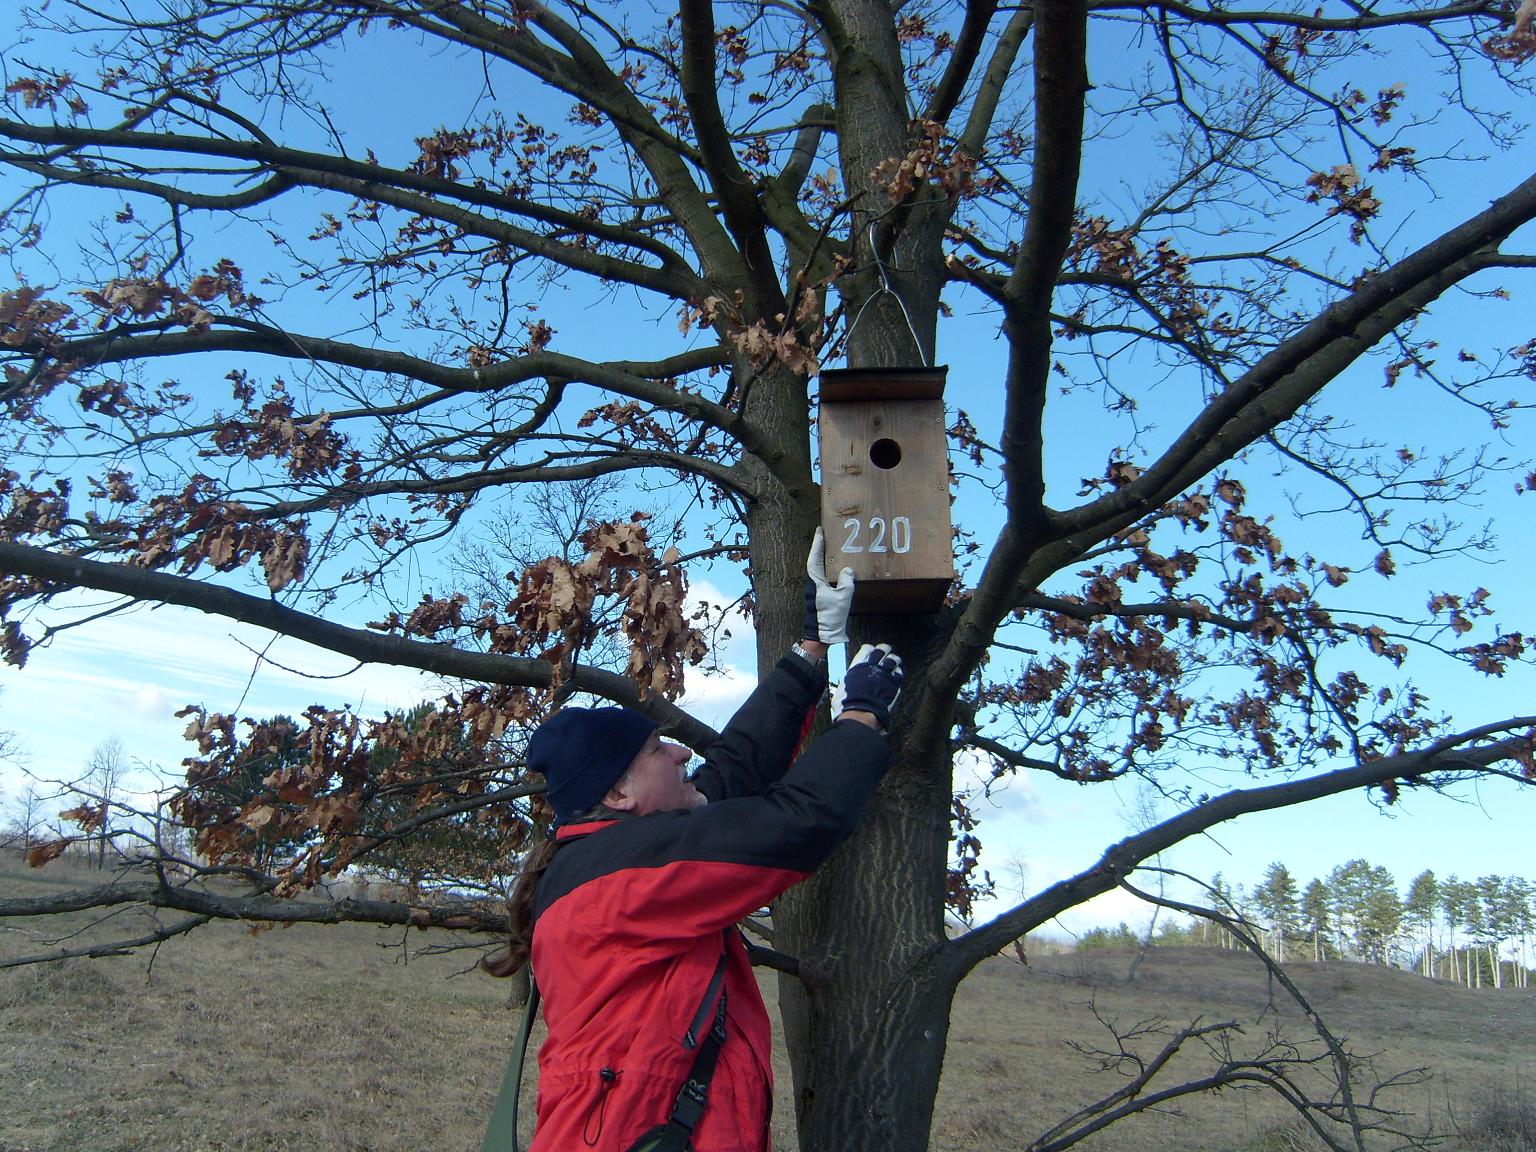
873, 682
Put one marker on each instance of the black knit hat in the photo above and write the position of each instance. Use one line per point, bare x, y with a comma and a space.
582, 752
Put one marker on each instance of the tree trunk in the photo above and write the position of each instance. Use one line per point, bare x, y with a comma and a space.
873, 1088
518, 988
866, 1027
867, 1020
867, 1024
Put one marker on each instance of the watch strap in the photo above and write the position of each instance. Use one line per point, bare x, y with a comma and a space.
813, 661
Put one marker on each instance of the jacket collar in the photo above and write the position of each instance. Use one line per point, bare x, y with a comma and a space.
572, 831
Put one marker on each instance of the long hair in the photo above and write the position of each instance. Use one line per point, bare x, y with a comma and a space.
511, 959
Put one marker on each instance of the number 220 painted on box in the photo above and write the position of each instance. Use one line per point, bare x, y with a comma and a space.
897, 539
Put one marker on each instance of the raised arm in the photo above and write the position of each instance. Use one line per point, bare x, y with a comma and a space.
706, 869
758, 744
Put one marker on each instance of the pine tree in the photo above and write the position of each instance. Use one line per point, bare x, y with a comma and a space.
1275, 898
1314, 913
1423, 900
1227, 899
1381, 915
1453, 908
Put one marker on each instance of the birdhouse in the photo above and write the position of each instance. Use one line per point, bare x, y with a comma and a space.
885, 486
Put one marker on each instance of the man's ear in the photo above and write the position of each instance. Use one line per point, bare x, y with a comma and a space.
618, 800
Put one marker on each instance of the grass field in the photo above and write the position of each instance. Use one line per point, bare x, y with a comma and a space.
358, 1039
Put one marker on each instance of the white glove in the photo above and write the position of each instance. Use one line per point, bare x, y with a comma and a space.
826, 605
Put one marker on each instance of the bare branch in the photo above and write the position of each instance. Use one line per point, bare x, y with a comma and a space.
1061, 86
1185, 609
414, 191
962, 60
620, 377
360, 644
1219, 17
1452, 757
1014, 759
1277, 386
480, 916
123, 947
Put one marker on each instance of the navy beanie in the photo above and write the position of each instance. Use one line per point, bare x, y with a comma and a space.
582, 752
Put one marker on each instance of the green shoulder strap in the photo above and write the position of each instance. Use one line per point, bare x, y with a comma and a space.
501, 1132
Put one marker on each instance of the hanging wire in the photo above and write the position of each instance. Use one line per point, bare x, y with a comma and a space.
887, 290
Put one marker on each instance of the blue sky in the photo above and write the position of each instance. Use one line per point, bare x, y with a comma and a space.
125, 676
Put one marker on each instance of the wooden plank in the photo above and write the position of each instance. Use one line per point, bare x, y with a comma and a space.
839, 385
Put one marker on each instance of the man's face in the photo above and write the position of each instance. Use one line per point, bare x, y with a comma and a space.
654, 780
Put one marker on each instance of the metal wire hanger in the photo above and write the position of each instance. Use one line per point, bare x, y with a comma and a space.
887, 290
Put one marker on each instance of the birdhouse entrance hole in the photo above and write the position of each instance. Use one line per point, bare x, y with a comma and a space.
885, 453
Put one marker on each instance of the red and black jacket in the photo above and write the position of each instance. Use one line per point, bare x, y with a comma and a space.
632, 916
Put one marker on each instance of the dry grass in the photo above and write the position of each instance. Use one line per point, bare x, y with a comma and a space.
299, 1038
351, 1039
1014, 1022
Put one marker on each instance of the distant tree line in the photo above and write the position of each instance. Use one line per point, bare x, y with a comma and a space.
1478, 932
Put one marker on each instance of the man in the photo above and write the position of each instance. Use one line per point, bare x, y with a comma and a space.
634, 943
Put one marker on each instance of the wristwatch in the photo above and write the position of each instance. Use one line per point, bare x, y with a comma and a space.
813, 661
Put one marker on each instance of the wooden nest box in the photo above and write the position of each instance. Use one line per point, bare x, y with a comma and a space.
885, 486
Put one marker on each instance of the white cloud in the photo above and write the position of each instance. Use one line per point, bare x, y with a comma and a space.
714, 695
127, 674
1015, 797
151, 703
